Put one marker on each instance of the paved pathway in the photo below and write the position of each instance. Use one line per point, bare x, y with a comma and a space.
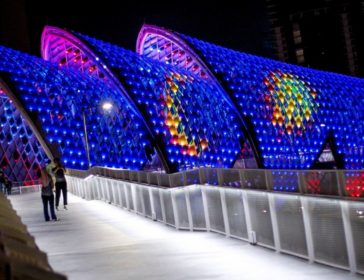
95, 240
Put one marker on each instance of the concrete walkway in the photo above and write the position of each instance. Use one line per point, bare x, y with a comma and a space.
95, 240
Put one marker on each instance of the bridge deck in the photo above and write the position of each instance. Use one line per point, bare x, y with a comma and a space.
95, 240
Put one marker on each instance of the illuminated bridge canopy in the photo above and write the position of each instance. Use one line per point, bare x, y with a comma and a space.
21, 154
192, 122
294, 112
179, 103
54, 99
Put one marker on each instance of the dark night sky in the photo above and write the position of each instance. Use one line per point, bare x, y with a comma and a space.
240, 28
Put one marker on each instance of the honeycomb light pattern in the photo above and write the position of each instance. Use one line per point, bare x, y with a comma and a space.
290, 103
21, 155
68, 55
180, 133
203, 111
56, 99
337, 107
161, 48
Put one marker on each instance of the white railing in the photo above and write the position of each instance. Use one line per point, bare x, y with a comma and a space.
21, 189
340, 183
320, 229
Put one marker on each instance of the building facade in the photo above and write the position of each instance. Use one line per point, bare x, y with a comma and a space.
322, 34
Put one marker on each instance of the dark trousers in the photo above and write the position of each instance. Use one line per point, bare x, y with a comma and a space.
8, 190
48, 200
61, 186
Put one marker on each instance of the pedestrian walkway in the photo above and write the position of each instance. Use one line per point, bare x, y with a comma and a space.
95, 240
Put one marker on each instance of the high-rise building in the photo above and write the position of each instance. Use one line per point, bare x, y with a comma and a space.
322, 34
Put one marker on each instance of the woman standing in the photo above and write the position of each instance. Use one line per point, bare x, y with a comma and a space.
61, 184
47, 195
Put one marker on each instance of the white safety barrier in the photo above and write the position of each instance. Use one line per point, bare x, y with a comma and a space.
25, 189
323, 230
339, 183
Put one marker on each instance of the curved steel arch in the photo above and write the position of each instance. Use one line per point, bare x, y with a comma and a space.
56, 41
191, 120
187, 58
328, 104
53, 44
54, 97
35, 129
202, 70
23, 147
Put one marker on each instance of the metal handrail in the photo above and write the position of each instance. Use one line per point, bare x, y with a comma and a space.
337, 183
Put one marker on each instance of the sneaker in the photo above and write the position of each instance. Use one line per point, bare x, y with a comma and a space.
56, 220
65, 207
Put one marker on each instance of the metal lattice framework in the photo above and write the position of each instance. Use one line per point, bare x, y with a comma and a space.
294, 111
21, 154
180, 102
54, 99
192, 121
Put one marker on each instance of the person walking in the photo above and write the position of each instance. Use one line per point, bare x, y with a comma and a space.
49, 168
2, 181
47, 195
60, 181
8, 186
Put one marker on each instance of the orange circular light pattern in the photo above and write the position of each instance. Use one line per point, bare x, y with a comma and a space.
178, 129
291, 100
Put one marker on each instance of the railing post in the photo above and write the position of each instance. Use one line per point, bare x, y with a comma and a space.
344, 205
148, 178
268, 180
152, 205
113, 192
170, 181
118, 189
189, 209
225, 212
301, 187
201, 173
308, 231
273, 216
249, 226
133, 197
162, 206
185, 178
141, 197
340, 177
241, 177
175, 210
126, 192
205, 208
220, 178
108, 183
159, 179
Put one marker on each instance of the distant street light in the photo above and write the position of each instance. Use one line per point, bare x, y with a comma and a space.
106, 106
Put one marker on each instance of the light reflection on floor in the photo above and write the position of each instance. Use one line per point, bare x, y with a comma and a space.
95, 240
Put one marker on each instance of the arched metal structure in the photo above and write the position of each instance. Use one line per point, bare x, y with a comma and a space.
65, 49
163, 45
293, 110
54, 99
193, 123
193, 116
22, 149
